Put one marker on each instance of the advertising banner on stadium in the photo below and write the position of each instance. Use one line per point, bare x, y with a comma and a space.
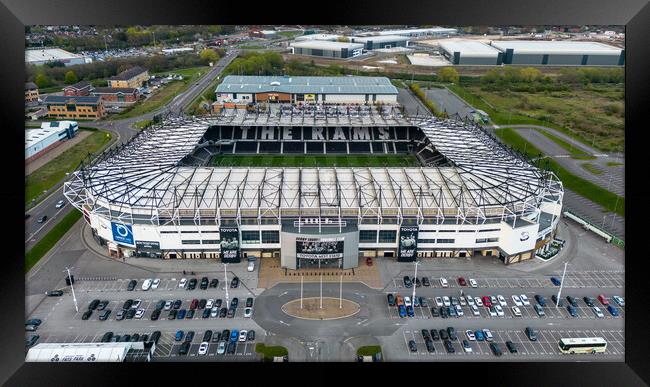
407, 250
319, 248
229, 244
147, 245
122, 233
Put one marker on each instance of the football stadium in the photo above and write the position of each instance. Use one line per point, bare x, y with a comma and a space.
317, 186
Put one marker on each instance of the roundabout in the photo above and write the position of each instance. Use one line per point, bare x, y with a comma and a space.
313, 308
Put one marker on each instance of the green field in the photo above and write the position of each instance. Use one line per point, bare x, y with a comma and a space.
54, 171
591, 168
50, 239
315, 161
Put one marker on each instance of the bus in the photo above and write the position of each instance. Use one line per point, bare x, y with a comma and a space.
583, 345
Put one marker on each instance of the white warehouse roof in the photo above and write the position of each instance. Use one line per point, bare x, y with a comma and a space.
80, 352
416, 31
326, 45
330, 37
472, 48
380, 38
48, 55
556, 47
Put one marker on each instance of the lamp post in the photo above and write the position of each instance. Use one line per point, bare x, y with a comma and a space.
414, 279
341, 293
559, 292
225, 276
321, 291
74, 298
301, 280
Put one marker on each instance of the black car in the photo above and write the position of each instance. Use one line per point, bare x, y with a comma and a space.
104, 315
86, 315
189, 336
540, 300
144, 338
127, 304
130, 313
249, 302
425, 335
54, 293
429, 345
160, 304
449, 347
234, 283
125, 339
589, 301
27, 216
407, 281
391, 299
511, 347
435, 312
177, 304
185, 348
444, 335
572, 301
412, 346
192, 284
251, 335
155, 314
417, 282
232, 346
452, 333
116, 339
223, 312
190, 314
135, 337
31, 340
214, 283
42, 219
234, 303
93, 304
530, 333
217, 303
204, 283
107, 337
34, 321
131, 285
434, 335
155, 336
102, 305
444, 312
207, 335
225, 334
206, 313
202, 303
556, 301
231, 313
425, 281
495, 349
172, 314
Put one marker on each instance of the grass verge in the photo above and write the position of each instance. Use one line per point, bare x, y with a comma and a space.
54, 171
368, 350
591, 168
415, 88
614, 164
142, 124
608, 200
41, 248
270, 352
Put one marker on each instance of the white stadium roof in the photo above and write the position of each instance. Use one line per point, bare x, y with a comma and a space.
562, 47
146, 181
472, 48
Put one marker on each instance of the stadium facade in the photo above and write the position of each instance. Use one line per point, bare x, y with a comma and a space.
158, 196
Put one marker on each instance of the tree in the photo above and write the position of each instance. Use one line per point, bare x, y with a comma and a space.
42, 80
530, 74
344, 39
448, 74
71, 77
208, 55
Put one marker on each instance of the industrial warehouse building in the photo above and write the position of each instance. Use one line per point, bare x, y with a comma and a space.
559, 53
470, 52
91, 352
48, 136
327, 49
381, 41
245, 89
160, 196
415, 32
328, 37
41, 56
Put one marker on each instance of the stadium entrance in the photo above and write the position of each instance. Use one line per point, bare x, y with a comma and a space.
325, 263
319, 253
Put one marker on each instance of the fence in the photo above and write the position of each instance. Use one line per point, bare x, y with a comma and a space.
609, 237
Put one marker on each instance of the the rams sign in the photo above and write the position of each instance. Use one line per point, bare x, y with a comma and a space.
122, 233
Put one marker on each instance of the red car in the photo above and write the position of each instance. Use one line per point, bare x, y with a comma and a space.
194, 304
461, 281
486, 301
369, 261
603, 300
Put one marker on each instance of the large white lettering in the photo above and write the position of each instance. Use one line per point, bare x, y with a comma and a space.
268, 134
244, 132
384, 134
338, 134
360, 133
317, 134
287, 133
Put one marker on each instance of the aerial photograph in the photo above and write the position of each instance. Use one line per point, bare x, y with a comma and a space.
324, 193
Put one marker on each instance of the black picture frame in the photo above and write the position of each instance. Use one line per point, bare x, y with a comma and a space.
634, 14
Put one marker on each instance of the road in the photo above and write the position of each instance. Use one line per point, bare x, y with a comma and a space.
124, 131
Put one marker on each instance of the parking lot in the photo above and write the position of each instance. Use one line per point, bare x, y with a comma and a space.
546, 346
572, 280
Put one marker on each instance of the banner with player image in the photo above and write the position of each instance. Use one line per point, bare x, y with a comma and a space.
229, 244
319, 248
407, 250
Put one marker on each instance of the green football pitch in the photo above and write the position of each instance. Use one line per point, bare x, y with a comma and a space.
286, 160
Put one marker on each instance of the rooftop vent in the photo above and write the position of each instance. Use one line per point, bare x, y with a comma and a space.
275, 83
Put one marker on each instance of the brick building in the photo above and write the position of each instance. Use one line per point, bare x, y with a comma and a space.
73, 107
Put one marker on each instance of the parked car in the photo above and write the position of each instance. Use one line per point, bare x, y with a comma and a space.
597, 312
203, 348
190, 314
452, 334
248, 312
495, 349
407, 301
425, 281
452, 311
473, 283
243, 334
107, 337
434, 335
444, 313
603, 300
155, 283
524, 300
223, 312
120, 315
555, 281
409, 311
177, 304
234, 283
181, 314
449, 347
204, 283
619, 300
54, 293
531, 334
438, 301
423, 302
572, 310
446, 301
556, 301
459, 311
155, 314
130, 313
31, 328
207, 335
479, 335
412, 346
540, 299
206, 313
539, 310
443, 282
189, 336
475, 310
444, 335
486, 301
131, 285
232, 347
488, 334
588, 301
235, 302
461, 281
86, 315
127, 304
466, 347
184, 348
221, 348
517, 300
499, 310
42, 219
31, 340
572, 301
214, 283
194, 304
516, 311
202, 303
136, 303
391, 299
182, 282
478, 301
435, 312
191, 285
407, 282
502, 300
102, 305
612, 310
429, 345
104, 315
251, 335
511, 347
146, 285
492, 311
